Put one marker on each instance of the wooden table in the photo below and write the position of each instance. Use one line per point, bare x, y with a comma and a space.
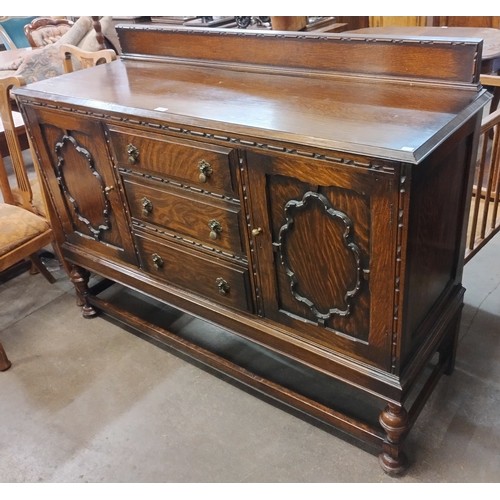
490, 36
490, 62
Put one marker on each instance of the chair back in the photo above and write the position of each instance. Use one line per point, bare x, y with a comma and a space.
23, 190
46, 30
85, 58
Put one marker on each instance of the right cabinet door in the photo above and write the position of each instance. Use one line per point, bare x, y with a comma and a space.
324, 236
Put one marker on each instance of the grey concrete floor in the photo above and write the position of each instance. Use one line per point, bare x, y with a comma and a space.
86, 401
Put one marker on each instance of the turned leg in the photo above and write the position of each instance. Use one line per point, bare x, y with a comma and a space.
80, 279
5, 364
394, 421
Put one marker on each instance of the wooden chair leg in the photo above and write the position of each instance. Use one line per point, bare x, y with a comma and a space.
5, 364
37, 262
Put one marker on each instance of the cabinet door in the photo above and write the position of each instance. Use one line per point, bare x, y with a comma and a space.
81, 180
324, 247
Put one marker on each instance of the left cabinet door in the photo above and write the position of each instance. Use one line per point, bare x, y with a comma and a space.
81, 181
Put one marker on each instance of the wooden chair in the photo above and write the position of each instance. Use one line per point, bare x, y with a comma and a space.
46, 30
20, 131
23, 234
27, 192
23, 214
85, 59
484, 216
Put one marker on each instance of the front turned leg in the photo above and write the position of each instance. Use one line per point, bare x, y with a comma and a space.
80, 279
394, 421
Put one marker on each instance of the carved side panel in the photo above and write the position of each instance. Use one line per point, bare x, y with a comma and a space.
314, 222
324, 244
77, 174
321, 244
85, 191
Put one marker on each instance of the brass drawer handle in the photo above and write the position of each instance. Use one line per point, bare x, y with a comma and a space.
223, 286
147, 206
157, 261
256, 231
133, 154
215, 228
205, 170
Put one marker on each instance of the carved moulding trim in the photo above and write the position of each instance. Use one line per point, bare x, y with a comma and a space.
95, 231
141, 225
178, 184
399, 269
331, 212
294, 35
374, 164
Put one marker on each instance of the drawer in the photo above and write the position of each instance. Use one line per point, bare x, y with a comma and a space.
214, 279
215, 223
202, 165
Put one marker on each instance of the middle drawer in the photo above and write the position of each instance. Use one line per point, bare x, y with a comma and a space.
213, 222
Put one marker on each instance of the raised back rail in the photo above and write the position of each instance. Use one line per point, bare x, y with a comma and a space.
443, 60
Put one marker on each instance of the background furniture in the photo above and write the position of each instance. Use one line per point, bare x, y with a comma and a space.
46, 30
26, 192
12, 31
84, 58
490, 61
484, 217
216, 172
24, 231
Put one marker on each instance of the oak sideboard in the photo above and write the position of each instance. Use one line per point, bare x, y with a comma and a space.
300, 198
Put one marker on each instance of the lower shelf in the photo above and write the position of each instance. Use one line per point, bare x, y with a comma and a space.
318, 398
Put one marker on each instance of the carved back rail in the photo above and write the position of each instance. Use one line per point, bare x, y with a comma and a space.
439, 60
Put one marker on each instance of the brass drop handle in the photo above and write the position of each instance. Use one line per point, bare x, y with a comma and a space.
223, 286
157, 261
205, 170
256, 231
147, 206
215, 228
133, 154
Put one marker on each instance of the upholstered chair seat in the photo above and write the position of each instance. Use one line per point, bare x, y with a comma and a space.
19, 226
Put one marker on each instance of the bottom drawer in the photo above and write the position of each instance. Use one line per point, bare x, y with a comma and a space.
212, 278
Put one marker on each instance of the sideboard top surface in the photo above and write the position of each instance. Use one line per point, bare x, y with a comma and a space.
382, 117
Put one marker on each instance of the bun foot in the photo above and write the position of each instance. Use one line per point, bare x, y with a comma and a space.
393, 466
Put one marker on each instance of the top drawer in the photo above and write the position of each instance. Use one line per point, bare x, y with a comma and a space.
202, 165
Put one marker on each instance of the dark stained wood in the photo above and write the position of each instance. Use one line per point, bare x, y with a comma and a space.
340, 179
467, 21
354, 22
490, 59
5, 364
325, 52
211, 222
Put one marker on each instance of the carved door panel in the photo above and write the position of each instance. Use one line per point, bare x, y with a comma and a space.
324, 246
81, 180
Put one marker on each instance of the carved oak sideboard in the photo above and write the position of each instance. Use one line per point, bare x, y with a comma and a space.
306, 194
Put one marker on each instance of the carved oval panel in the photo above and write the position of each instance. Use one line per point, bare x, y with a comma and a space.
75, 172
321, 260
